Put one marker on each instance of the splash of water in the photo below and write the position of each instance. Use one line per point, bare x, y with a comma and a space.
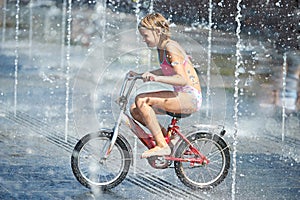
62, 59
151, 7
137, 61
30, 29
16, 55
284, 74
69, 21
63, 33
236, 97
4, 21
102, 10
209, 57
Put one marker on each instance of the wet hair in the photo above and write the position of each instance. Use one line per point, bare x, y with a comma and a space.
155, 20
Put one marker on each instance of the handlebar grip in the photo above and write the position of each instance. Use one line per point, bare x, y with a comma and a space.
130, 76
139, 76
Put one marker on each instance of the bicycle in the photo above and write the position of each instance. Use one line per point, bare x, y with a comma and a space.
102, 159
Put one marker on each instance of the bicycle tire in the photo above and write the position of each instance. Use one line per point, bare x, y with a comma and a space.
203, 176
91, 171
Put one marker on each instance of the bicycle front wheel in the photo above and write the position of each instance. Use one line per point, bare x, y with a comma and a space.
203, 176
92, 170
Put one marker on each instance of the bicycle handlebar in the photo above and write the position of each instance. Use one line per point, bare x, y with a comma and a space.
135, 77
127, 88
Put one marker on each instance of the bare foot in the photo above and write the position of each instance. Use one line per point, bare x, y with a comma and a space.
157, 151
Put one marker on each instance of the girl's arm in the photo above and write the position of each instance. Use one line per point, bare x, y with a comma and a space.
176, 79
176, 58
157, 72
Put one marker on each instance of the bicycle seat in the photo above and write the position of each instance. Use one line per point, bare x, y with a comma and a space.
178, 115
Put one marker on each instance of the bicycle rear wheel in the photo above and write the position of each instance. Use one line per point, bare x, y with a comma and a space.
203, 176
92, 170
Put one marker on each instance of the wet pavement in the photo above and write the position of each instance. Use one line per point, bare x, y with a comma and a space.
35, 164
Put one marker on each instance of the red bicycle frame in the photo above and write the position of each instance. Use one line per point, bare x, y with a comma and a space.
173, 129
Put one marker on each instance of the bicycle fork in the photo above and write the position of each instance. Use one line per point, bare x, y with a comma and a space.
115, 135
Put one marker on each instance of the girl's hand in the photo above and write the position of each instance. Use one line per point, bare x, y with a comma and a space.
147, 76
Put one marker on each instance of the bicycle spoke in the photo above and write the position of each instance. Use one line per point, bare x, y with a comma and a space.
91, 168
216, 152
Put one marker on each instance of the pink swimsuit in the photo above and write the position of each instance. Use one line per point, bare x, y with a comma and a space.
168, 70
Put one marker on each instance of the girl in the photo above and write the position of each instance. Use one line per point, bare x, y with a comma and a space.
175, 69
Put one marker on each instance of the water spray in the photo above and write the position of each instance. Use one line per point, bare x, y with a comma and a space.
16, 55
236, 98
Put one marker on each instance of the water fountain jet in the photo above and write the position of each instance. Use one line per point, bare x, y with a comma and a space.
30, 29
284, 72
16, 55
4, 21
236, 97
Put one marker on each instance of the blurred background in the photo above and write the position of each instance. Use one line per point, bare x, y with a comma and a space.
49, 46
62, 63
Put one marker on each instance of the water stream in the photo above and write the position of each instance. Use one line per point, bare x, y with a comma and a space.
137, 65
16, 55
236, 97
209, 39
284, 74
4, 21
62, 57
30, 30
67, 68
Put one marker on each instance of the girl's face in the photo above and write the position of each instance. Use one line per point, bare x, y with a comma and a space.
150, 37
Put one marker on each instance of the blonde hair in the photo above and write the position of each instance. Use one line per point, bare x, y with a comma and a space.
153, 21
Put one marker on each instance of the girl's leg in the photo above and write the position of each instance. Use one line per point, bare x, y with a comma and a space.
165, 100
150, 121
137, 116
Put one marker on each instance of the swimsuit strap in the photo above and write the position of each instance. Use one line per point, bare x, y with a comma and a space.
186, 56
